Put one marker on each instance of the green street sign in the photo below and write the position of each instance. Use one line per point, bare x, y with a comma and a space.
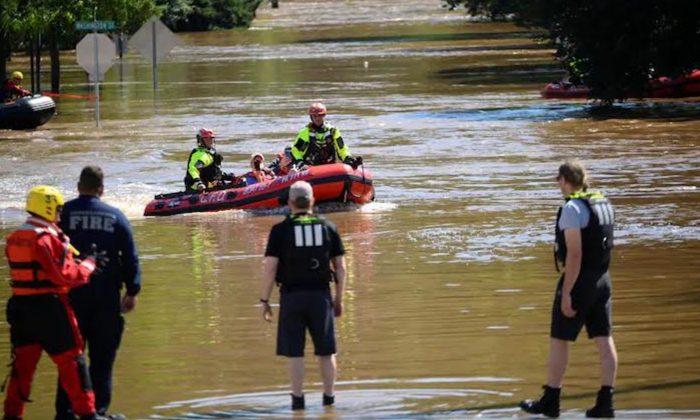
98, 25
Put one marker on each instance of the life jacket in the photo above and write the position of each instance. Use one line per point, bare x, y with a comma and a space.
305, 263
596, 238
27, 276
210, 175
263, 175
321, 147
10, 91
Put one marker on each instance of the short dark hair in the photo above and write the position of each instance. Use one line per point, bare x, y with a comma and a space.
91, 178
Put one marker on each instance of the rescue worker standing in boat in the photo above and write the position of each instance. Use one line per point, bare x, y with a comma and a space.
42, 270
204, 164
319, 142
584, 242
300, 253
12, 88
99, 305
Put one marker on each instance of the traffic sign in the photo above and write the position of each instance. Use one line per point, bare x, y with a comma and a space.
95, 61
96, 25
96, 53
154, 40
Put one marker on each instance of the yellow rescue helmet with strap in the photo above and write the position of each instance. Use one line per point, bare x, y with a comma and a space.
45, 201
17, 75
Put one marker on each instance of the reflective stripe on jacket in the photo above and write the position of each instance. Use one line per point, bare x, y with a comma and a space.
202, 166
319, 145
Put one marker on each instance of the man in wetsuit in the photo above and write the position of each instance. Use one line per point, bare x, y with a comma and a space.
12, 88
204, 164
584, 242
319, 142
41, 318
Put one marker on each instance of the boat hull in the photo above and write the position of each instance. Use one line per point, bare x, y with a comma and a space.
331, 183
26, 113
679, 87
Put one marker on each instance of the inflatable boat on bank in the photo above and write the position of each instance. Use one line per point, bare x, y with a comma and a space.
663, 87
331, 183
27, 112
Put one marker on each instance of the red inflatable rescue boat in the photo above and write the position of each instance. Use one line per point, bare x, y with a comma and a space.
663, 87
331, 183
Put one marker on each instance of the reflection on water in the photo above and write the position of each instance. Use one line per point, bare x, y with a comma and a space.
450, 273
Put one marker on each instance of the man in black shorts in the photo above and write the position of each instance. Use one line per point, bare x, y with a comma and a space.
300, 253
584, 241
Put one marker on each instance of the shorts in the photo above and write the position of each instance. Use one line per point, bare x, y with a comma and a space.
301, 310
591, 299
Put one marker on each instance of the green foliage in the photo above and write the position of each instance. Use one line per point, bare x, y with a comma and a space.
614, 46
23, 19
204, 15
493, 9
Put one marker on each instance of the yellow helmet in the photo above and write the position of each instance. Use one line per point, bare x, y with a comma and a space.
17, 75
44, 201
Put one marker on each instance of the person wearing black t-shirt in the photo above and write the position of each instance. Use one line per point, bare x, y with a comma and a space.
304, 255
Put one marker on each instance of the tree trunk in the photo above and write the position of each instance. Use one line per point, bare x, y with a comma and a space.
38, 64
31, 62
4, 54
54, 52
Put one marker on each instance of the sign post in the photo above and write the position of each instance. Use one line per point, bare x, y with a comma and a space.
103, 54
153, 41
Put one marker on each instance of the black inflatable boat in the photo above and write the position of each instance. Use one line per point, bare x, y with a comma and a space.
27, 112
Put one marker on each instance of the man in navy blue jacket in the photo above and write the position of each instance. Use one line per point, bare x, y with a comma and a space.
99, 305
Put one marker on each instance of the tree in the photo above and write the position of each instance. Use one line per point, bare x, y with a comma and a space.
493, 9
21, 20
204, 15
616, 46
8, 26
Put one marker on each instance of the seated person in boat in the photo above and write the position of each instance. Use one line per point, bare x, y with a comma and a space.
284, 163
258, 173
204, 165
12, 88
319, 143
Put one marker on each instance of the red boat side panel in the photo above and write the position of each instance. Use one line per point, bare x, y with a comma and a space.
663, 87
335, 182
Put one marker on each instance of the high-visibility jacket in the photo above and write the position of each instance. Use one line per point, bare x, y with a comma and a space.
41, 260
319, 145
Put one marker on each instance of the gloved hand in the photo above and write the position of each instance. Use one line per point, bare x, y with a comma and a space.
99, 258
228, 176
199, 185
218, 159
358, 162
355, 162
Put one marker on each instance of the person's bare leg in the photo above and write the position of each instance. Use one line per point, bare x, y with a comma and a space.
604, 407
558, 360
296, 374
608, 360
548, 403
328, 369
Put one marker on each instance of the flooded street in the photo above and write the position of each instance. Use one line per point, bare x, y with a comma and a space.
450, 272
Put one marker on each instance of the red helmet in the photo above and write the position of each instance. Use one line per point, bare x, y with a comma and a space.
205, 132
317, 109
